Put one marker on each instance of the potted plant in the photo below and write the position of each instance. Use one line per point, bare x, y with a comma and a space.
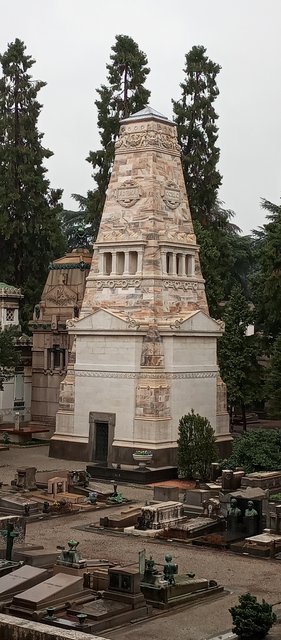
142, 456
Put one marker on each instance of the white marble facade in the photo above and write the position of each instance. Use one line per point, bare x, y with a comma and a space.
146, 347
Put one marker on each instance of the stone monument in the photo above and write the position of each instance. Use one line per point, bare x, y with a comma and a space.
60, 301
146, 346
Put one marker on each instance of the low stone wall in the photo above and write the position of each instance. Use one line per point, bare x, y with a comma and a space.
17, 629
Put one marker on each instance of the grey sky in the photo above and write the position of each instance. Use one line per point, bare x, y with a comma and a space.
71, 42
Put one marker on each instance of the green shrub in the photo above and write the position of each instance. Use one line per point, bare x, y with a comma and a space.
276, 497
252, 620
196, 446
6, 438
257, 451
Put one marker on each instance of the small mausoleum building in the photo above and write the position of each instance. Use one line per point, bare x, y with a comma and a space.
61, 300
16, 394
146, 346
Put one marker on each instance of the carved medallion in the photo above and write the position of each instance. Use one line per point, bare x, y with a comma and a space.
172, 195
128, 194
61, 296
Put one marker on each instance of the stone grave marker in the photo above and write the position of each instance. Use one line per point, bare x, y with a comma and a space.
48, 592
19, 528
23, 578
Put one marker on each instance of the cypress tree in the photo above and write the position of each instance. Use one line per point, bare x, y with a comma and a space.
273, 382
217, 236
123, 94
238, 354
195, 117
30, 234
267, 278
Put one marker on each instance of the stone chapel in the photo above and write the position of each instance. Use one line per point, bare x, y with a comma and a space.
145, 350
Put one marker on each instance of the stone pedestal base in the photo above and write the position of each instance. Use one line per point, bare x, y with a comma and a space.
162, 457
69, 448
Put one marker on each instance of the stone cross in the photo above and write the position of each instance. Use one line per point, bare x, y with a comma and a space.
10, 535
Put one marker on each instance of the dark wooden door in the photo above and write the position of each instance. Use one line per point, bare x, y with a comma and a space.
101, 441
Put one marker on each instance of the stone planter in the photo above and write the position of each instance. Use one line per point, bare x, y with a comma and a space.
143, 460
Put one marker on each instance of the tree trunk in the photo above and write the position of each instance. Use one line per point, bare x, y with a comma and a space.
125, 96
244, 421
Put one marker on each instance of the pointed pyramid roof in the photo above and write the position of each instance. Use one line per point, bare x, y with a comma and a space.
147, 114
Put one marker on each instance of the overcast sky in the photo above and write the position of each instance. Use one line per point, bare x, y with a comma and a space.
71, 43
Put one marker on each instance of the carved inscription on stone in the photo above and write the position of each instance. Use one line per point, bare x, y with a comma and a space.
171, 195
128, 194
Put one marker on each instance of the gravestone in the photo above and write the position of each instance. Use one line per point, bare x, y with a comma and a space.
19, 527
163, 494
167, 588
48, 593
14, 504
21, 579
25, 479
70, 560
57, 485
160, 516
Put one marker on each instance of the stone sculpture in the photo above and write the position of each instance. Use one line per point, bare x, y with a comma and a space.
233, 517
250, 511
233, 510
251, 520
71, 556
170, 568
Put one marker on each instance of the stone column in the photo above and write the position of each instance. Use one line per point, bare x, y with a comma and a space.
113, 268
139, 265
164, 262
174, 264
182, 265
191, 266
61, 360
101, 263
126, 271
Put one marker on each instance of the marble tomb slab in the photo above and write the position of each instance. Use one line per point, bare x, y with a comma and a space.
22, 578
59, 586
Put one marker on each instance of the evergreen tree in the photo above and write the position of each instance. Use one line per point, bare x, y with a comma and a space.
257, 451
218, 238
9, 355
252, 620
76, 230
195, 117
273, 382
267, 279
196, 446
238, 354
30, 234
123, 95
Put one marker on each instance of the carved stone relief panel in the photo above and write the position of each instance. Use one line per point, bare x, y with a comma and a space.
128, 194
61, 296
152, 401
171, 195
152, 349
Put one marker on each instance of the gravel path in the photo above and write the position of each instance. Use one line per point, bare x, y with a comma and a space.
237, 573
